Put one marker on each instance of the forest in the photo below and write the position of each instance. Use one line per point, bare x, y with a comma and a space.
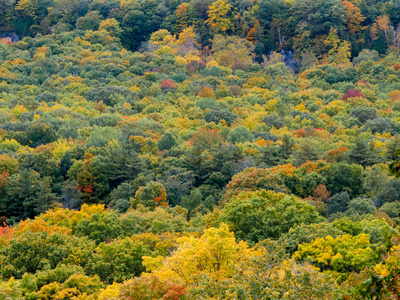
203, 149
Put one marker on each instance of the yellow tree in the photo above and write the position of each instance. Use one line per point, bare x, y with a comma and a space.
181, 17
213, 254
382, 24
232, 49
392, 34
161, 37
339, 52
354, 16
111, 26
220, 17
187, 43
255, 33
29, 10
342, 254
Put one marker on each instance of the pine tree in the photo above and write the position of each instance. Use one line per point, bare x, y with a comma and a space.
193, 200
194, 158
272, 156
22, 193
65, 164
44, 196
166, 142
391, 147
363, 153
286, 147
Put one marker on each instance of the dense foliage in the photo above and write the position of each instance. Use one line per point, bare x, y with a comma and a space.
199, 150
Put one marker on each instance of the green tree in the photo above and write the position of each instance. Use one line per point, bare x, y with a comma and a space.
240, 135
65, 164
31, 252
193, 200
45, 198
268, 10
217, 115
391, 147
361, 206
342, 177
99, 227
22, 191
264, 214
140, 19
339, 203
40, 133
308, 151
272, 155
363, 153
91, 21
118, 261
167, 142
158, 221
306, 233
363, 114
151, 195
376, 180
6, 10
319, 15
126, 165
93, 178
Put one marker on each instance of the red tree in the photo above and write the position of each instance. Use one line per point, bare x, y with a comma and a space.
151, 287
206, 138
352, 94
168, 85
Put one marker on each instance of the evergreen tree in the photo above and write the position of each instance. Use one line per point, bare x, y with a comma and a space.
391, 147
125, 165
272, 156
308, 151
193, 200
65, 164
194, 158
286, 147
363, 153
22, 195
167, 142
338, 203
44, 196
359, 153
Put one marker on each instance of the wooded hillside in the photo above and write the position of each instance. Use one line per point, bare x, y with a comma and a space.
199, 150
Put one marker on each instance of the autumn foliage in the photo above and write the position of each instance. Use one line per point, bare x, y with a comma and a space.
186, 150
206, 139
207, 92
352, 93
167, 85
151, 287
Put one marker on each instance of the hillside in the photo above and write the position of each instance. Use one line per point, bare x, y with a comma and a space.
201, 150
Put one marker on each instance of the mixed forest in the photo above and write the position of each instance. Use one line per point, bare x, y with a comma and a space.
182, 150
